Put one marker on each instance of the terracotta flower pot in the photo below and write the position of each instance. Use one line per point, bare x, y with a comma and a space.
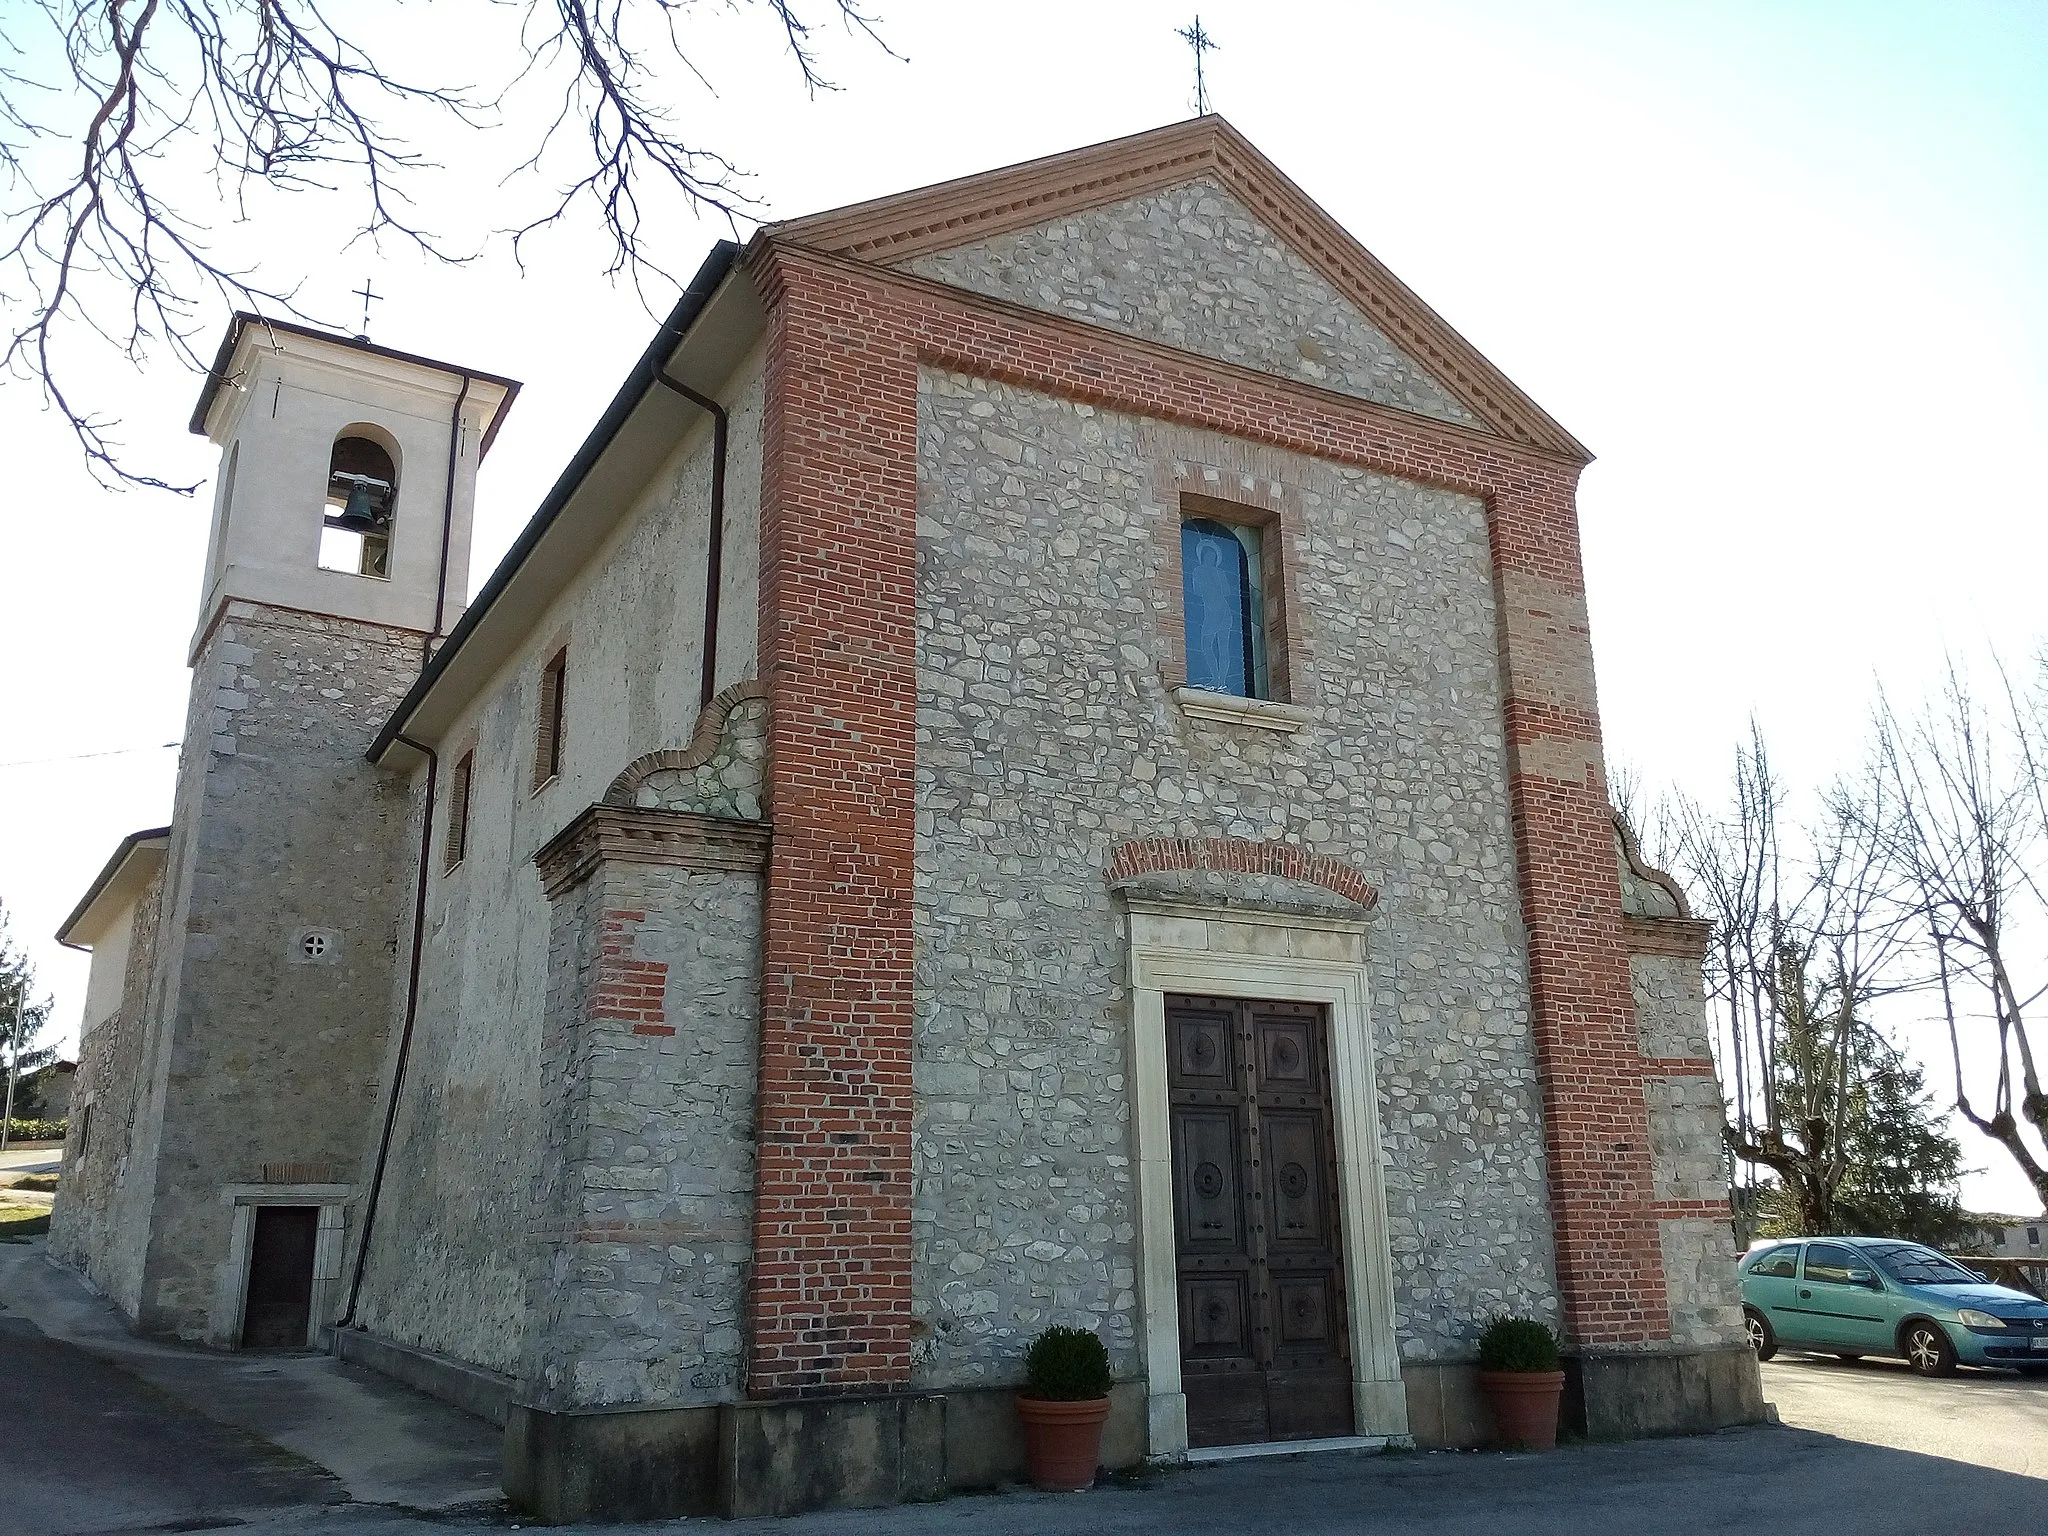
1062, 1441
1524, 1406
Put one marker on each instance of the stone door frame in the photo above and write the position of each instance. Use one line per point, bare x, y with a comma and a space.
231, 1296
1286, 957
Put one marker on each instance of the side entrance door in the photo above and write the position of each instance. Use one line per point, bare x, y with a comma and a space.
1264, 1333
279, 1308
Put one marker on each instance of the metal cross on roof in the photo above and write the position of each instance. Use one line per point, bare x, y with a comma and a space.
1202, 43
367, 296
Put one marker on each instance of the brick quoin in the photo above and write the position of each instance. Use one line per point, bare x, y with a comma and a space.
832, 1282
626, 989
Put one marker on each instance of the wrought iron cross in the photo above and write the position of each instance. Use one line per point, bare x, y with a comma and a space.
367, 296
1202, 43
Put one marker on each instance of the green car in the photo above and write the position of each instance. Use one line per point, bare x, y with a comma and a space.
1856, 1296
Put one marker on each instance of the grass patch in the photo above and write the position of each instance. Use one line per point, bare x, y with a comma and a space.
23, 1221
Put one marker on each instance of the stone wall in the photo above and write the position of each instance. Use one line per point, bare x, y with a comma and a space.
1191, 267
1046, 736
448, 1268
1688, 1163
643, 1201
91, 1197
1682, 1094
260, 1053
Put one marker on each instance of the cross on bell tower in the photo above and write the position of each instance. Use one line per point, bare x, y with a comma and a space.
368, 297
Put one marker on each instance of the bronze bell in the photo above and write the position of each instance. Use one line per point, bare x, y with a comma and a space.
362, 514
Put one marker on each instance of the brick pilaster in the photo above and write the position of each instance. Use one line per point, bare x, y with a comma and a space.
830, 1307
1597, 1128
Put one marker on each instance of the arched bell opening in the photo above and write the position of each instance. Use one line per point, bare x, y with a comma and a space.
362, 493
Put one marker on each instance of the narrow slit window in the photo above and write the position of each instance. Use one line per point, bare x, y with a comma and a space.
457, 844
1223, 607
547, 737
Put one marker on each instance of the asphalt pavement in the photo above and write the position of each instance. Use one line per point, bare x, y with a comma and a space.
101, 1433
1993, 1419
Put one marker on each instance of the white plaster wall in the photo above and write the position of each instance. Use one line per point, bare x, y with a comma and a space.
279, 425
446, 1261
109, 972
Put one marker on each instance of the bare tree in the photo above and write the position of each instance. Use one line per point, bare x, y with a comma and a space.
1965, 822
1804, 942
112, 110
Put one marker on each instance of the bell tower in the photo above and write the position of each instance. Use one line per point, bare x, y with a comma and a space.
338, 555
348, 476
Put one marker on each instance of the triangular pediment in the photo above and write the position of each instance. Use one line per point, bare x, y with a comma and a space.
1315, 305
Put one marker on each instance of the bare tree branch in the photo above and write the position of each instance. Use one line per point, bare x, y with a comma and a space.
108, 248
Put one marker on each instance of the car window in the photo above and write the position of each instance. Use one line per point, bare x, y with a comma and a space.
1781, 1263
1831, 1261
1910, 1264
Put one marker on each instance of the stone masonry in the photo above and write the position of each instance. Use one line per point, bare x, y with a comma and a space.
1683, 1098
284, 832
643, 1199
1046, 738
101, 1194
1189, 266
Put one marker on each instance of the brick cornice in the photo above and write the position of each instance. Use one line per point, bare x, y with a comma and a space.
619, 834
896, 229
1290, 399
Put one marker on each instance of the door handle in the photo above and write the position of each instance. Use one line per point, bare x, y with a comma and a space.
1805, 1295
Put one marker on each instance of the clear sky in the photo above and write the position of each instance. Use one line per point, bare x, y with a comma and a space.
1780, 265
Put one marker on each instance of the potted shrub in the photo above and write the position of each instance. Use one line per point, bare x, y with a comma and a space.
1523, 1380
1063, 1404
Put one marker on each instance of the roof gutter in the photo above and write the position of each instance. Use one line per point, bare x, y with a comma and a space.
644, 377
105, 878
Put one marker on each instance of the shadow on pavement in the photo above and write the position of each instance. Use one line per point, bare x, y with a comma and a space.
91, 1448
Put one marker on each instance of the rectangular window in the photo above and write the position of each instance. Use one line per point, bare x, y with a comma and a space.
1223, 606
457, 844
84, 1131
547, 736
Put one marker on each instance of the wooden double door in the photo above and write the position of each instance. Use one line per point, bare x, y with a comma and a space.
1264, 1322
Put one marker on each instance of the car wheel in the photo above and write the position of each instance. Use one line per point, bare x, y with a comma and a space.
1928, 1350
1761, 1338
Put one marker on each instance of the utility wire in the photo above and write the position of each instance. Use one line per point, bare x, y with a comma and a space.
79, 757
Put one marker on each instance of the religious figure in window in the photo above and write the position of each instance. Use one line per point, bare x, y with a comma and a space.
1223, 608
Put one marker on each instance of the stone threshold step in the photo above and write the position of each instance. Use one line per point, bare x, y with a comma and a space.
1213, 1453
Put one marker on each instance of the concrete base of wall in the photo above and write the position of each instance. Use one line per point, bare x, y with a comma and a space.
779, 1458
468, 1387
1445, 1408
1633, 1396
1606, 1397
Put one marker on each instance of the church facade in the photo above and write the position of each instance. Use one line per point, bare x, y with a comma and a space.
1040, 765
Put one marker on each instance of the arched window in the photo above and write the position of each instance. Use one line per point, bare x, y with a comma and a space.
1223, 601
362, 488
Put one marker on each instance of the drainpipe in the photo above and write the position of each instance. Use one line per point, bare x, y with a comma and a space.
447, 525
412, 1004
714, 553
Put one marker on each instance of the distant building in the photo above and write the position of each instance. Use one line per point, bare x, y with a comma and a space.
2013, 1237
